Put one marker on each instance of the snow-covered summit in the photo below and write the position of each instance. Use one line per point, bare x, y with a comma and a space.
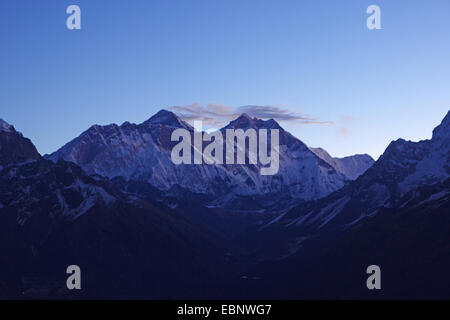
5, 126
392, 181
166, 118
143, 152
351, 166
14, 148
244, 121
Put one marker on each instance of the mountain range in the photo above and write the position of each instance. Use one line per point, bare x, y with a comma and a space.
53, 215
112, 201
392, 182
142, 152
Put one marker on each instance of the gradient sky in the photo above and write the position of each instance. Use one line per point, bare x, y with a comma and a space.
314, 58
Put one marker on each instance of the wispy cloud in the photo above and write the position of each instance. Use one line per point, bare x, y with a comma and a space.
217, 115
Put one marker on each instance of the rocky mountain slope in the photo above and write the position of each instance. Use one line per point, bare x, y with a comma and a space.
164, 243
53, 215
142, 152
14, 147
352, 167
400, 177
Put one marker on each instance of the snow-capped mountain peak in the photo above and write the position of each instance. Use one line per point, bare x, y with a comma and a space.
244, 122
351, 166
14, 148
143, 152
391, 182
166, 118
5, 126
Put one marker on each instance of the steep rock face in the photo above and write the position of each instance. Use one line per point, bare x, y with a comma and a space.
142, 152
407, 242
442, 132
14, 148
53, 215
392, 182
32, 186
60, 190
302, 174
352, 166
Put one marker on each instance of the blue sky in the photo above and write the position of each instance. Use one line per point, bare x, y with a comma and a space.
313, 58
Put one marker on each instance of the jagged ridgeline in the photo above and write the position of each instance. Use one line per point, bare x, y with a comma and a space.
142, 152
113, 202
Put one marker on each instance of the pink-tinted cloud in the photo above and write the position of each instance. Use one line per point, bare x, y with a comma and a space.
217, 115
